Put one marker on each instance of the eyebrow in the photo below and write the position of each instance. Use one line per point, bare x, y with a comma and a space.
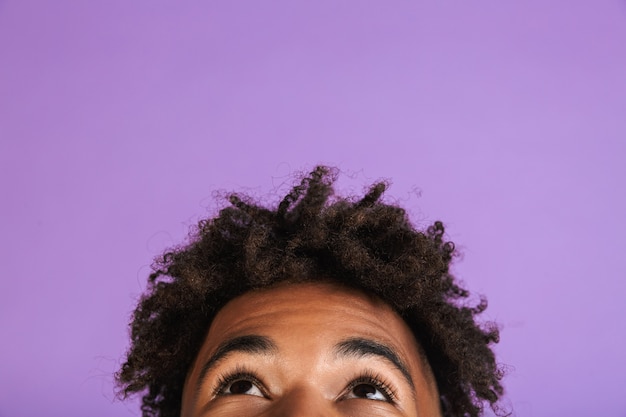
253, 344
360, 347
262, 345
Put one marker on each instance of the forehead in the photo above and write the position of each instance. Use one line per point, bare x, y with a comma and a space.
307, 304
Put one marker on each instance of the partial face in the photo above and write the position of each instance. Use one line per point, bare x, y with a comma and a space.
309, 350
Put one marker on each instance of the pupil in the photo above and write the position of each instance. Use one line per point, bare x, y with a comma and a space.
364, 390
240, 387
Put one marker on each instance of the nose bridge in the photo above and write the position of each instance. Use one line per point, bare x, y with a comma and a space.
303, 402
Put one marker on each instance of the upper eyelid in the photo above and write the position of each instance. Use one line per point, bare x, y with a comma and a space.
247, 344
224, 368
387, 388
236, 375
365, 348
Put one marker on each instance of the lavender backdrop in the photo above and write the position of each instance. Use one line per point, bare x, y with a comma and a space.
119, 119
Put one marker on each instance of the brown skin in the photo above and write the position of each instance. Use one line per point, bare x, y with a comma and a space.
299, 367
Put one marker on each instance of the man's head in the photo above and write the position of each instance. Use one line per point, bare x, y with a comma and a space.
263, 307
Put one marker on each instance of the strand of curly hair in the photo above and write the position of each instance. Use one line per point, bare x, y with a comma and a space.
365, 244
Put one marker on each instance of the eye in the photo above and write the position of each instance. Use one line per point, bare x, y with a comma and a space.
367, 391
239, 384
370, 387
241, 387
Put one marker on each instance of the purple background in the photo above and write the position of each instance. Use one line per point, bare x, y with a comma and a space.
120, 119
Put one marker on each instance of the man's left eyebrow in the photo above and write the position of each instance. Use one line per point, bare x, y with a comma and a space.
361, 347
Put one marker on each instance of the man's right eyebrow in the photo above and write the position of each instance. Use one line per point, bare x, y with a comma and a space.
254, 344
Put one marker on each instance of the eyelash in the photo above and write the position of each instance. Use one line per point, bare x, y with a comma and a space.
367, 377
238, 373
377, 381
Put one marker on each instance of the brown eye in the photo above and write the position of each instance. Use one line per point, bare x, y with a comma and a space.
241, 387
369, 392
370, 387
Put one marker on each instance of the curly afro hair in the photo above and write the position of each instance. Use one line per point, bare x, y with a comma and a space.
364, 244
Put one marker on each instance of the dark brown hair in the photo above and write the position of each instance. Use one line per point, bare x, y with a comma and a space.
364, 244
